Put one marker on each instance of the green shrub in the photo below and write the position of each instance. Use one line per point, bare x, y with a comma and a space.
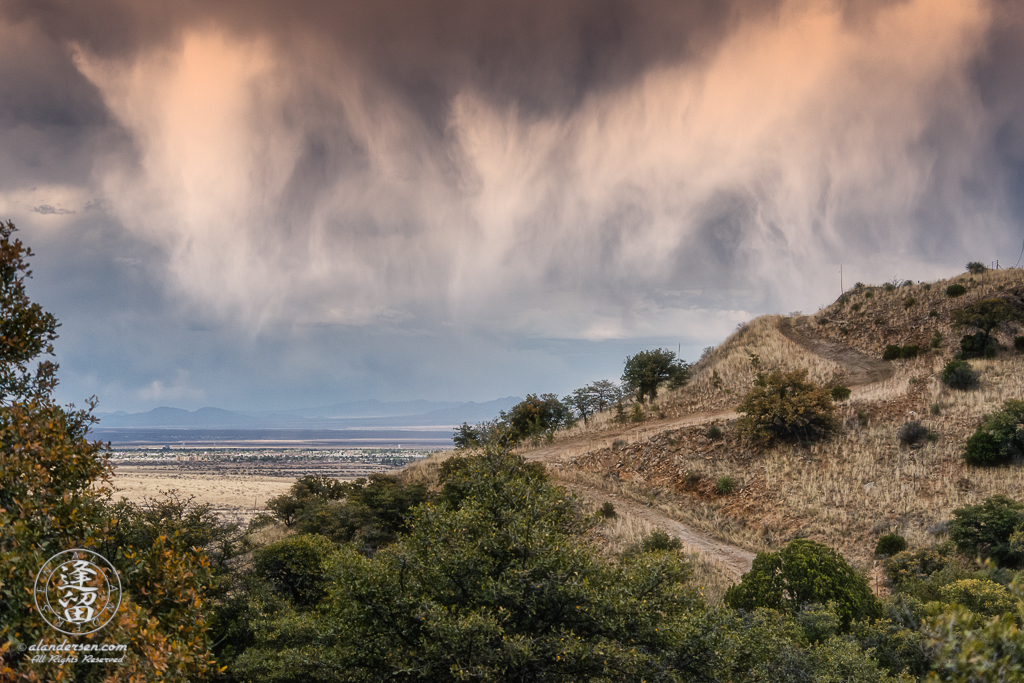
936, 340
802, 573
910, 302
958, 374
999, 438
607, 511
725, 485
840, 393
933, 313
911, 565
1018, 344
296, 567
984, 530
956, 290
638, 413
978, 345
889, 286
894, 352
976, 268
714, 432
868, 295
786, 407
935, 409
890, 544
982, 596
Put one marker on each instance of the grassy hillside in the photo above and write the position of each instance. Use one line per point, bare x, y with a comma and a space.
846, 491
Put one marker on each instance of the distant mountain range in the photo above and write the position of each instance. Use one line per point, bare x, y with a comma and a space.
352, 414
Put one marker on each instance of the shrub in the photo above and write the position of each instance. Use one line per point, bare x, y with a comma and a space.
638, 413
912, 432
976, 268
936, 340
893, 352
978, 345
956, 290
296, 567
910, 302
933, 313
868, 295
890, 544
984, 530
889, 286
714, 432
907, 566
786, 407
840, 393
999, 438
935, 409
725, 485
958, 374
983, 596
1018, 344
607, 511
802, 573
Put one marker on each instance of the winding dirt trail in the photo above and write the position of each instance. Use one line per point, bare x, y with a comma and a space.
860, 370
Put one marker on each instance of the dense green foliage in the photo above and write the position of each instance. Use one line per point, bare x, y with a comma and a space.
956, 290
959, 374
999, 438
786, 407
801, 574
644, 371
890, 544
984, 530
984, 316
894, 352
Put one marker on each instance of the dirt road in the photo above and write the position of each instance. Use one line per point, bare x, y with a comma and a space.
860, 370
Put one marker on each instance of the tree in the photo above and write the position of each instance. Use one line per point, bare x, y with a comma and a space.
607, 393
976, 268
803, 573
583, 401
466, 436
647, 369
986, 529
54, 488
786, 407
984, 316
533, 417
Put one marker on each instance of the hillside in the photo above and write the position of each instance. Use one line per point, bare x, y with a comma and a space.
846, 491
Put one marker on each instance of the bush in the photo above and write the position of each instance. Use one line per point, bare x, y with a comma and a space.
890, 544
958, 374
912, 432
296, 567
840, 393
638, 413
911, 301
714, 432
936, 340
984, 530
607, 511
999, 438
786, 407
978, 345
802, 573
908, 566
976, 268
894, 352
725, 485
956, 290
935, 409
982, 596
1018, 344
889, 286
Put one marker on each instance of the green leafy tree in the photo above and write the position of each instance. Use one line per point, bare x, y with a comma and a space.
584, 402
984, 316
534, 416
803, 573
647, 369
986, 529
606, 393
466, 436
786, 407
501, 585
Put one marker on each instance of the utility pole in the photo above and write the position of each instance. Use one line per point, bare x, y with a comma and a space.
841, 288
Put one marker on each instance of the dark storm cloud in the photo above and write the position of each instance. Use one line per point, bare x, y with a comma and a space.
368, 193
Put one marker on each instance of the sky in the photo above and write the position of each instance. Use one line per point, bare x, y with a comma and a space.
255, 205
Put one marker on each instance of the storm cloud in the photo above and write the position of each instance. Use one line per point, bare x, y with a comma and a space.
256, 203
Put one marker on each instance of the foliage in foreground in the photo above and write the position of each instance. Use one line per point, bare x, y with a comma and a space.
999, 438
